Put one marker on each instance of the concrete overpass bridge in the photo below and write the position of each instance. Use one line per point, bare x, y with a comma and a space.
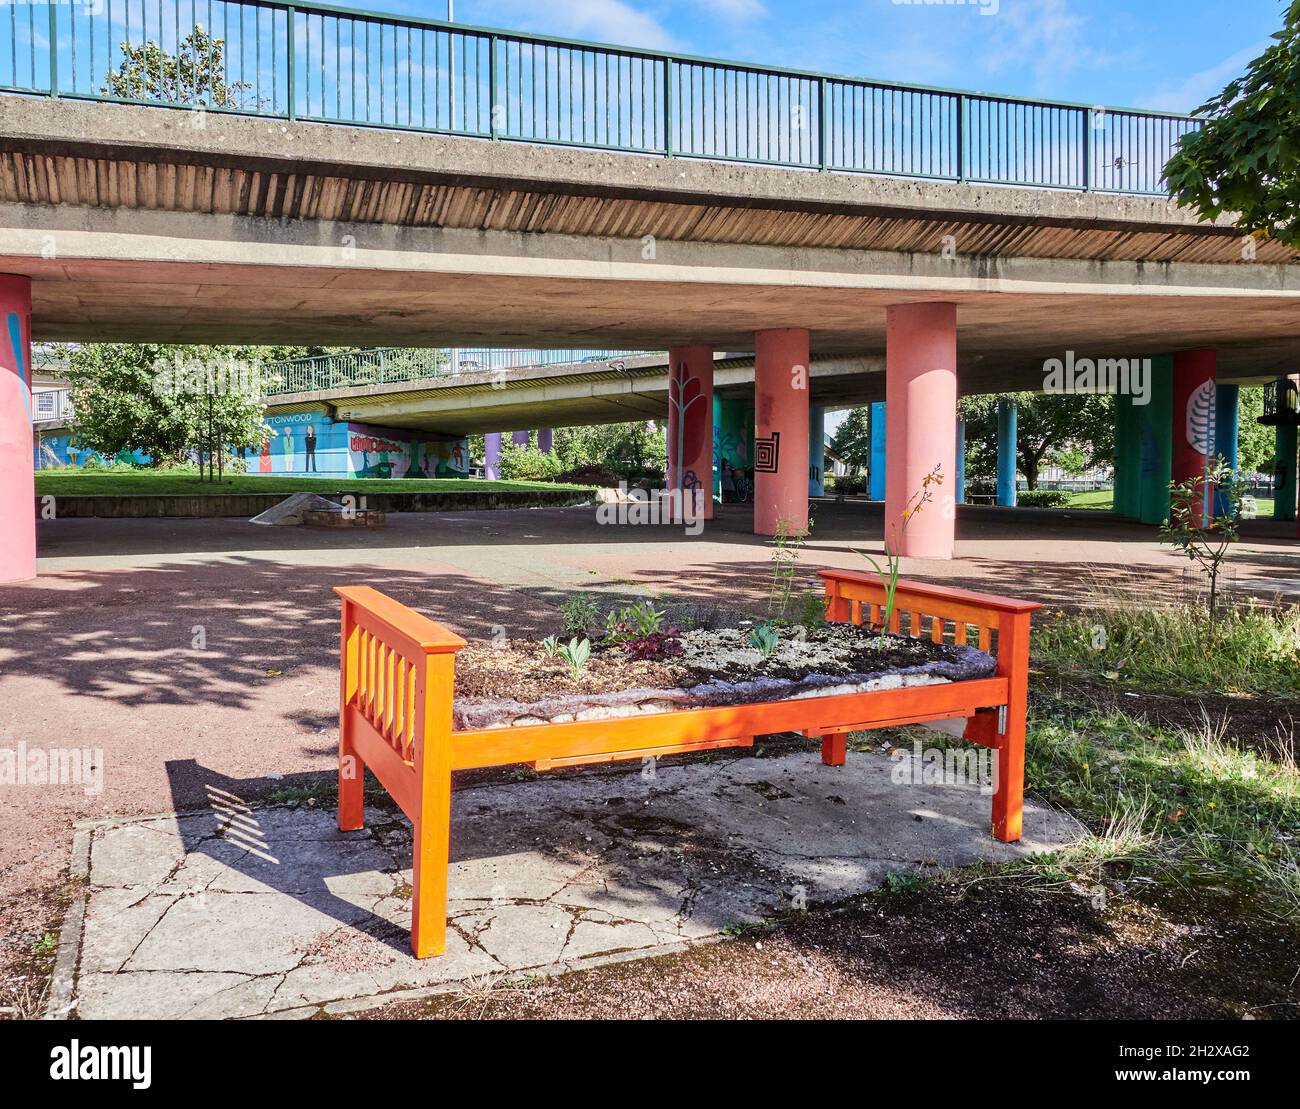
454, 186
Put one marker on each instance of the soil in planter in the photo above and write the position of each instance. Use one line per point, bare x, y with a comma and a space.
521, 671
835, 650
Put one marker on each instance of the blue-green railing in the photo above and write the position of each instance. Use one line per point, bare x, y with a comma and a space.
336, 65
390, 365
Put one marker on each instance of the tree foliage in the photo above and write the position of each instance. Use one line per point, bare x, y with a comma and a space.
1246, 157
169, 402
852, 439
195, 75
1070, 429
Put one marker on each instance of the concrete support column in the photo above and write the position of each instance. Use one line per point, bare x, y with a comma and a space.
546, 440
876, 430
690, 424
1284, 488
519, 438
959, 486
781, 430
1195, 405
1225, 436
921, 392
1155, 450
492, 455
1008, 419
1128, 458
17, 481
816, 452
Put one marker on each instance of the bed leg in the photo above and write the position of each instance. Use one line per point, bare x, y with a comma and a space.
432, 819
833, 749
1009, 791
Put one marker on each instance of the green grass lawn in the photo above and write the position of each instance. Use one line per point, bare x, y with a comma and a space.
75, 482
1103, 500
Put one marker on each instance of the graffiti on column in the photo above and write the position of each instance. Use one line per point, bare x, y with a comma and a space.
14, 325
684, 393
767, 451
1200, 419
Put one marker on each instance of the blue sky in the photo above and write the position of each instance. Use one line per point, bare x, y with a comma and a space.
1166, 54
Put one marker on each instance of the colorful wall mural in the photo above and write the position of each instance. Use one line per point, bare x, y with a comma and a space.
309, 443
313, 443
733, 440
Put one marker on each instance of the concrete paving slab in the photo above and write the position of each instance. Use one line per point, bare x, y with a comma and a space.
278, 913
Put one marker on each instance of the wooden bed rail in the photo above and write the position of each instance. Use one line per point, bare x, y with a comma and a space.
997, 624
397, 682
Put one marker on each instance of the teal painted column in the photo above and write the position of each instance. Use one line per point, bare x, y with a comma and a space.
1284, 490
1225, 436
959, 486
816, 452
1007, 453
1127, 499
876, 488
1155, 421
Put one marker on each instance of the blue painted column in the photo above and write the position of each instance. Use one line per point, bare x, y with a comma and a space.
519, 438
1007, 453
959, 486
545, 440
492, 455
1284, 488
1225, 435
876, 489
816, 452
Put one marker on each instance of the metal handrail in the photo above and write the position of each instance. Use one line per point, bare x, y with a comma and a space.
332, 64
394, 365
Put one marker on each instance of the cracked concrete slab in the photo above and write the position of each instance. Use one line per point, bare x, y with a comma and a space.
257, 912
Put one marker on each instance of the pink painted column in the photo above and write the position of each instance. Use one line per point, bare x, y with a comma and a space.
1195, 404
17, 483
781, 430
921, 398
690, 424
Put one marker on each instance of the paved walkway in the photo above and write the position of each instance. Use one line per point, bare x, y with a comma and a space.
251, 911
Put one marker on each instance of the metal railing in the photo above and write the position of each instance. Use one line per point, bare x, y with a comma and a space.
330, 64
51, 404
392, 365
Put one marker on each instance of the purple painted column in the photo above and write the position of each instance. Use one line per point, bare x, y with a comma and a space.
545, 440
520, 439
17, 484
492, 455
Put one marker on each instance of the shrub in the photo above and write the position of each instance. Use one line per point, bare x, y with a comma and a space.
847, 485
580, 614
1042, 498
529, 464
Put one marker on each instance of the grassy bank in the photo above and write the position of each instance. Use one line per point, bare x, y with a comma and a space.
1104, 500
164, 483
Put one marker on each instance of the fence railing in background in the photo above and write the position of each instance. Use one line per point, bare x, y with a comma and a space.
392, 365
335, 65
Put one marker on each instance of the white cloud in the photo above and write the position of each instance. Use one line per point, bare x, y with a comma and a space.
1042, 36
1195, 90
612, 21
735, 9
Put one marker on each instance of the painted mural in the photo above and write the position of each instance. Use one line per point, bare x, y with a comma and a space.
308, 443
313, 443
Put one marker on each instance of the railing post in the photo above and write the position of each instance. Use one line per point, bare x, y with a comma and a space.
54, 48
293, 50
668, 107
1087, 149
492, 88
823, 125
961, 139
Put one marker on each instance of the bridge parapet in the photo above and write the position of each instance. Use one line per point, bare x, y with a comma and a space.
328, 64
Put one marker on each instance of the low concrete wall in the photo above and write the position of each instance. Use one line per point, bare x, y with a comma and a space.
250, 504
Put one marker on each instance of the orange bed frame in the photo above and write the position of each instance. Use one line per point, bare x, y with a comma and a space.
397, 673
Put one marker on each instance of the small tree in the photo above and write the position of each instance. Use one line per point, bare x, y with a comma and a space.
852, 439
1198, 530
888, 573
194, 75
